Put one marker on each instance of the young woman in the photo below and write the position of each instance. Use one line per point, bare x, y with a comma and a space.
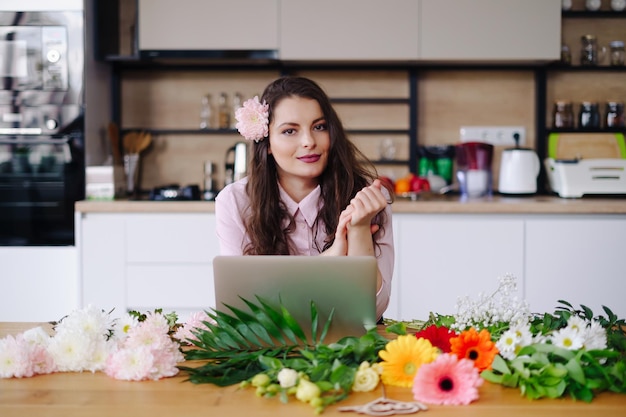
309, 190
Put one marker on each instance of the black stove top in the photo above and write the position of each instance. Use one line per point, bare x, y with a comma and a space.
175, 192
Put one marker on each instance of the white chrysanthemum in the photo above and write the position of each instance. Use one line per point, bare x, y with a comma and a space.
567, 338
91, 321
99, 354
37, 336
71, 351
594, 336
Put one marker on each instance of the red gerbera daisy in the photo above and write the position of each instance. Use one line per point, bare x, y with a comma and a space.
475, 346
438, 336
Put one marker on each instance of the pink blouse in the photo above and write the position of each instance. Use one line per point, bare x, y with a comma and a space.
232, 206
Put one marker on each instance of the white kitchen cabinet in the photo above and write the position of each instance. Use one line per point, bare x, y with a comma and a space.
442, 257
579, 259
203, 25
490, 30
348, 30
143, 261
39, 283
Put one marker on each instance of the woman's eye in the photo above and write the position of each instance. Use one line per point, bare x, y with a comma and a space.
320, 127
289, 131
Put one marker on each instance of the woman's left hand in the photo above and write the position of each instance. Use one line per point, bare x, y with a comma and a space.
366, 204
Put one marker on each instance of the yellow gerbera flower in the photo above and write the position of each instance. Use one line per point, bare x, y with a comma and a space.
402, 358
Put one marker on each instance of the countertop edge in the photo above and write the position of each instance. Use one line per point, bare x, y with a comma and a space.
494, 205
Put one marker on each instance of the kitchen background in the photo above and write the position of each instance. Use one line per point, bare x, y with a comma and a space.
394, 83
447, 101
165, 97
448, 97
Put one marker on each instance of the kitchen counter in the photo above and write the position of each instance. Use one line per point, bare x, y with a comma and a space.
72, 394
438, 204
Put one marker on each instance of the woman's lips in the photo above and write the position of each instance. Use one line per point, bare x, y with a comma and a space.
309, 158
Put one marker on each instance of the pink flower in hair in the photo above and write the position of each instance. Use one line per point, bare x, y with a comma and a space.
253, 119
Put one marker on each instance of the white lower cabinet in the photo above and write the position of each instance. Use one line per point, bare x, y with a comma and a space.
578, 259
39, 283
145, 261
442, 257
137, 261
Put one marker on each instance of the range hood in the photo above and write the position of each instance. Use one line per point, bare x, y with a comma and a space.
217, 29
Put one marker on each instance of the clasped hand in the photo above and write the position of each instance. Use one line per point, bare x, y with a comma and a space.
355, 221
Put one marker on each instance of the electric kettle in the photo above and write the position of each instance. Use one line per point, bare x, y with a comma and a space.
519, 168
236, 165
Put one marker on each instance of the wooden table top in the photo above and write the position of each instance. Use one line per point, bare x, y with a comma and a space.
95, 394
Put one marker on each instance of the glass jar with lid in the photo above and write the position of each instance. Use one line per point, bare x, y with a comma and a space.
589, 116
590, 53
563, 115
616, 49
614, 114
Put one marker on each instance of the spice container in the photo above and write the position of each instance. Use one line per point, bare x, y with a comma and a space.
223, 112
237, 103
614, 114
617, 53
590, 53
589, 116
563, 116
566, 55
206, 112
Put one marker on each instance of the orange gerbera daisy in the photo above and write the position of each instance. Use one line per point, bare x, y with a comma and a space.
476, 346
402, 358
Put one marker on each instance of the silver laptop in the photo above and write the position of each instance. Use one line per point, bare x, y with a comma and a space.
346, 284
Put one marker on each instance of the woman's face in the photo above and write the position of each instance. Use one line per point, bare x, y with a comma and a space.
299, 140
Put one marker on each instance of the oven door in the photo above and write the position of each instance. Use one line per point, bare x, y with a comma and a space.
40, 179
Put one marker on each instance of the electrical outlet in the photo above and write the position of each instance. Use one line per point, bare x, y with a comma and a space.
496, 135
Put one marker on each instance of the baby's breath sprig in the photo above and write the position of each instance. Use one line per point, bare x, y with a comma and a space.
495, 312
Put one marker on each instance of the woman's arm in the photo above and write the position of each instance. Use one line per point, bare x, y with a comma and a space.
230, 229
363, 208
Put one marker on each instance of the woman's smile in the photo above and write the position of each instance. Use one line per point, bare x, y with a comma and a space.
309, 159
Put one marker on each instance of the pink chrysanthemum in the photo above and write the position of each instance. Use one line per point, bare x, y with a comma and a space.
185, 334
253, 119
447, 381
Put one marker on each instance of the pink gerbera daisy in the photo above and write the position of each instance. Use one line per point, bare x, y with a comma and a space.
253, 119
447, 381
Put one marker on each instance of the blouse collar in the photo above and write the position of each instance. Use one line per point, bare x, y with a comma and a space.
309, 206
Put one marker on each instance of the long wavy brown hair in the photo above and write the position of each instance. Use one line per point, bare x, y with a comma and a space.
347, 172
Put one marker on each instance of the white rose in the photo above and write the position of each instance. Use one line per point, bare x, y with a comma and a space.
287, 378
307, 391
366, 379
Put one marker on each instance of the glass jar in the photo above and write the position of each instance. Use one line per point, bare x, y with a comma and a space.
563, 115
566, 55
223, 112
589, 116
617, 53
589, 51
614, 114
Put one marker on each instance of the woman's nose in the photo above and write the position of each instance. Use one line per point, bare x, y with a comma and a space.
308, 139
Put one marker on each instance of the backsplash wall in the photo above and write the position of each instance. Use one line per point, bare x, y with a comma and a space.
447, 100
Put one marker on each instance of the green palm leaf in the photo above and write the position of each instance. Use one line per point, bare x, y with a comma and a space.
236, 341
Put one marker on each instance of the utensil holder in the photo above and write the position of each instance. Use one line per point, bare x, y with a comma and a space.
131, 163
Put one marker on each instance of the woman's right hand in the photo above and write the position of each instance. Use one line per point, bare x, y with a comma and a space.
340, 245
